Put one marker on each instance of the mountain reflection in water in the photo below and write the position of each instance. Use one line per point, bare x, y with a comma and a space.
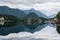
19, 28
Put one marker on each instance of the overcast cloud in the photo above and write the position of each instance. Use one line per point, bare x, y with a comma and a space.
28, 1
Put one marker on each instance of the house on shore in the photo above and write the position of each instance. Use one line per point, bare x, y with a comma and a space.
2, 20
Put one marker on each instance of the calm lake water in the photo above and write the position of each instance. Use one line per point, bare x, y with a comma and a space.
21, 28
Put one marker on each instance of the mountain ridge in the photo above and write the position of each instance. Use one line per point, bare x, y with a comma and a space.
20, 13
40, 14
11, 11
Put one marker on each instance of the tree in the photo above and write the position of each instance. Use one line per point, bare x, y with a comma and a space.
58, 27
58, 15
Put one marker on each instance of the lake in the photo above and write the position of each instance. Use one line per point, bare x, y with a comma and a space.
22, 28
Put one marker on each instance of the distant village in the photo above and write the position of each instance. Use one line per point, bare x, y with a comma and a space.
2, 20
29, 19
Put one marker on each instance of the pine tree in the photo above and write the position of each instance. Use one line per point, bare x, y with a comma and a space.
58, 15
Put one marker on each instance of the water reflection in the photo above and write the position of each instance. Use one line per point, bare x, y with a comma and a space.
23, 28
38, 28
55, 26
52, 25
12, 24
19, 28
14, 29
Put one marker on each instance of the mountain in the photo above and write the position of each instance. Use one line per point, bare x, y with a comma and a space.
19, 13
32, 15
52, 16
40, 14
33, 20
11, 11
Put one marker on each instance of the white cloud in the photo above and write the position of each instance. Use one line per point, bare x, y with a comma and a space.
28, 1
48, 8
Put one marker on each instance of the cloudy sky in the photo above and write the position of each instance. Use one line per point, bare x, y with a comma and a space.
48, 7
